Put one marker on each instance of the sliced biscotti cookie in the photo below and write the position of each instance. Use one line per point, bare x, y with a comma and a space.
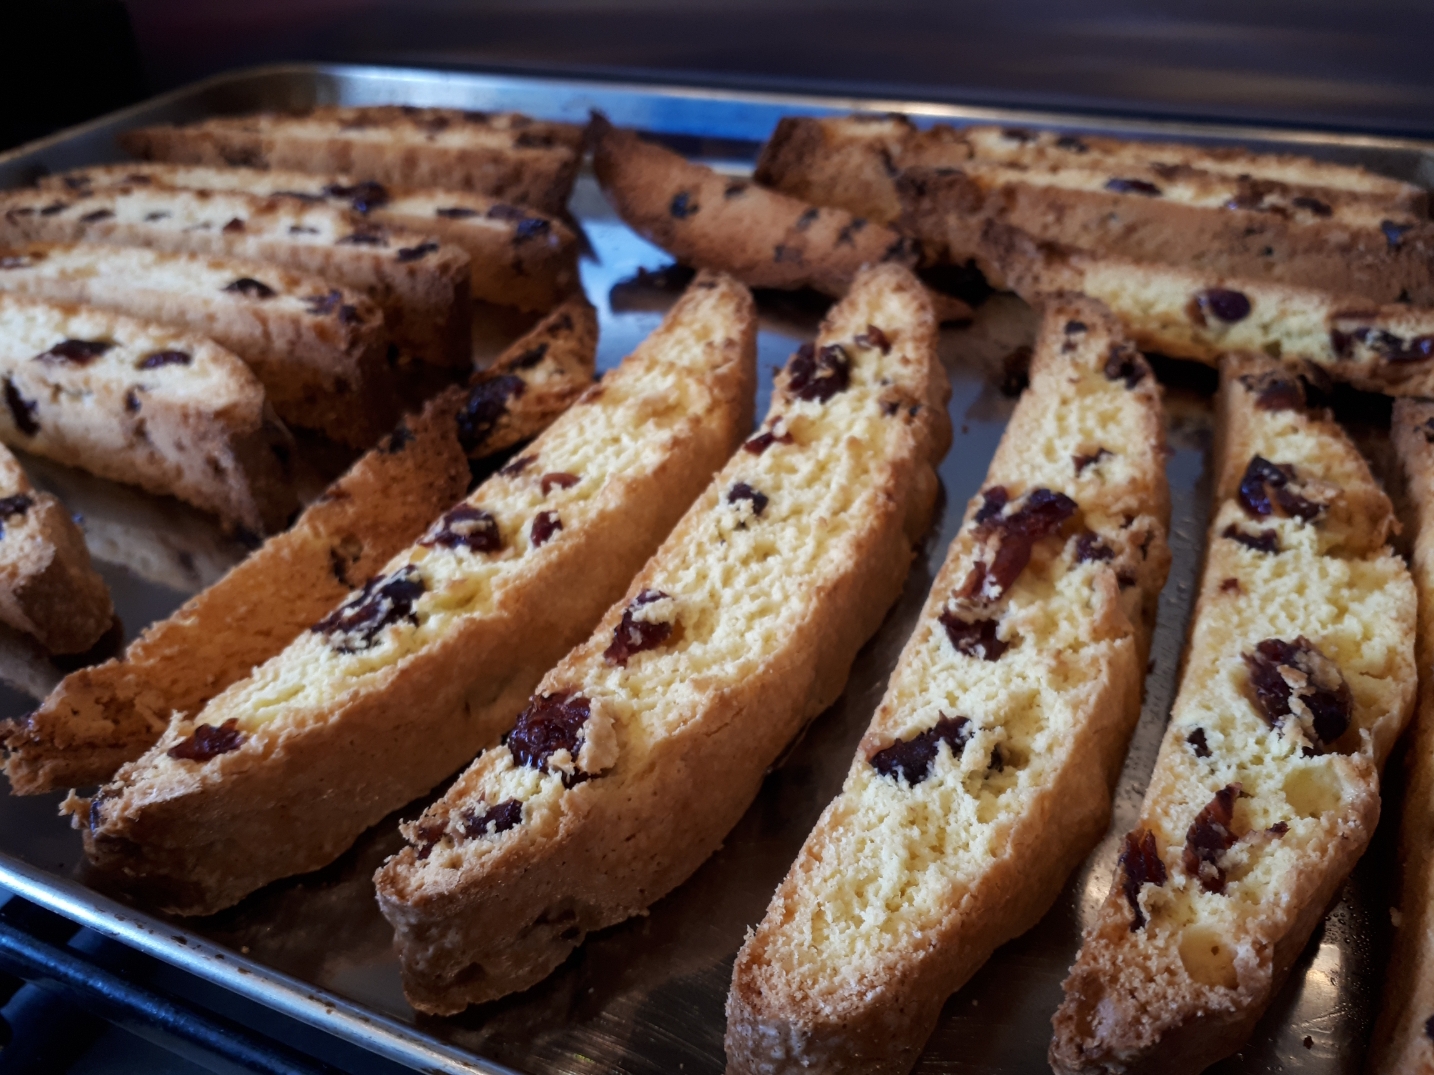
846, 162
503, 154
1299, 676
317, 349
986, 774
431, 660
103, 716
48, 589
518, 255
1187, 313
643, 747
420, 283
145, 404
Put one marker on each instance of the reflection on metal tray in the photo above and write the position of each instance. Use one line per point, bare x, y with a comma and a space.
647, 996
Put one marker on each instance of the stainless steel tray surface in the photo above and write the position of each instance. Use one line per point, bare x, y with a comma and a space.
647, 996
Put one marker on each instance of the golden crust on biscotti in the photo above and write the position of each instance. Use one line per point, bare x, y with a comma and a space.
926, 862
645, 744
48, 589
503, 154
1187, 313
518, 256
431, 660
144, 404
845, 162
712, 221
1299, 675
317, 349
420, 283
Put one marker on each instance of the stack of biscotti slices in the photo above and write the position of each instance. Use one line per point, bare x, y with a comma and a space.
319, 350
432, 659
136, 402
101, 717
642, 748
1187, 313
518, 256
502, 154
48, 589
987, 771
1299, 676
420, 283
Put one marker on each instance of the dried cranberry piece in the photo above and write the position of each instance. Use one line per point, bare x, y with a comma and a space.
974, 638
1083, 461
250, 288
558, 479
911, 759
234, 225
807, 219
1196, 740
59, 207
1273, 391
1385, 344
1090, 547
1279, 828
1075, 328
1071, 144
1296, 679
321, 305
743, 491
1132, 186
874, 337
847, 235
96, 216
361, 196
455, 213
1266, 486
492, 821
1226, 305
155, 359
485, 407
1266, 541
517, 466
550, 723
416, 253
353, 626
1124, 363
22, 410
545, 525
364, 238
1393, 233
762, 441
466, 527
74, 352
1017, 134
1230, 586
208, 741
1040, 512
634, 636
530, 358
18, 504
1312, 205
1141, 864
682, 205
1209, 837
819, 375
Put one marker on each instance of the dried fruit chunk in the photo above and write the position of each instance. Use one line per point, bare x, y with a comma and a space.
874, 337
155, 359
1384, 344
1196, 741
1132, 186
250, 288
557, 479
819, 375
634, 635
545, 525
1014, 529
492, 821
1125, 363
762, 441
1266, 541
1082, 461
354, 625
742, 491
1221, 303
1209, 837
22, 410
1090, 546
1274, 391
550, 723
1140, 864
485, 407
208, 741
974, 637
465, 527
1267, 486
1296, 679
75, 352
911, 759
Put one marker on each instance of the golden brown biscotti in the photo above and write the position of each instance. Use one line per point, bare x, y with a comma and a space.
317, 349
103, 716
846, 162
48, 589
1299, 676
987, 771
431, 660
1186, 313
518, 256
642, 748
502, 154
420, 283
144, 404
1402, 1042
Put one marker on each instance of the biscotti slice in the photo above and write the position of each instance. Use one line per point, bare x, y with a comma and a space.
420, 283
712, 221
48, 589
503, 154
317, 349
432, 659
846, 162
103, 716
987, 771
1186, 313
644, 746
1299, 676
144, 404
1402, 1042
519, 256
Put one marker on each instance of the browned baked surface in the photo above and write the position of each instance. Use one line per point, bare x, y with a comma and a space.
847, 162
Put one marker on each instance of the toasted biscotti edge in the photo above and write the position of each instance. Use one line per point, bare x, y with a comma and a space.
846, 162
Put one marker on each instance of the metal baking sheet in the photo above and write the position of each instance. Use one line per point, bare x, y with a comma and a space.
647, 996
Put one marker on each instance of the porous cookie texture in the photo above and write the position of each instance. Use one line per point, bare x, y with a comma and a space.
1187, 313
987, 771
145, 404
101, 717
1402, 1043
503, 154
420, 283
432, 658
317, 349
48, 589
518, 256
643, 747
712, 221
1299, 676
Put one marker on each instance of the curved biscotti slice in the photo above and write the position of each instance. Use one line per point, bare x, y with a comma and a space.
643, 747
103, 716
1187, 313
317, 349
503, 154
431, 660
48, 589
1299, 676
420, 283
712, 221
144, 404
846, 162
519, 256
987, 771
